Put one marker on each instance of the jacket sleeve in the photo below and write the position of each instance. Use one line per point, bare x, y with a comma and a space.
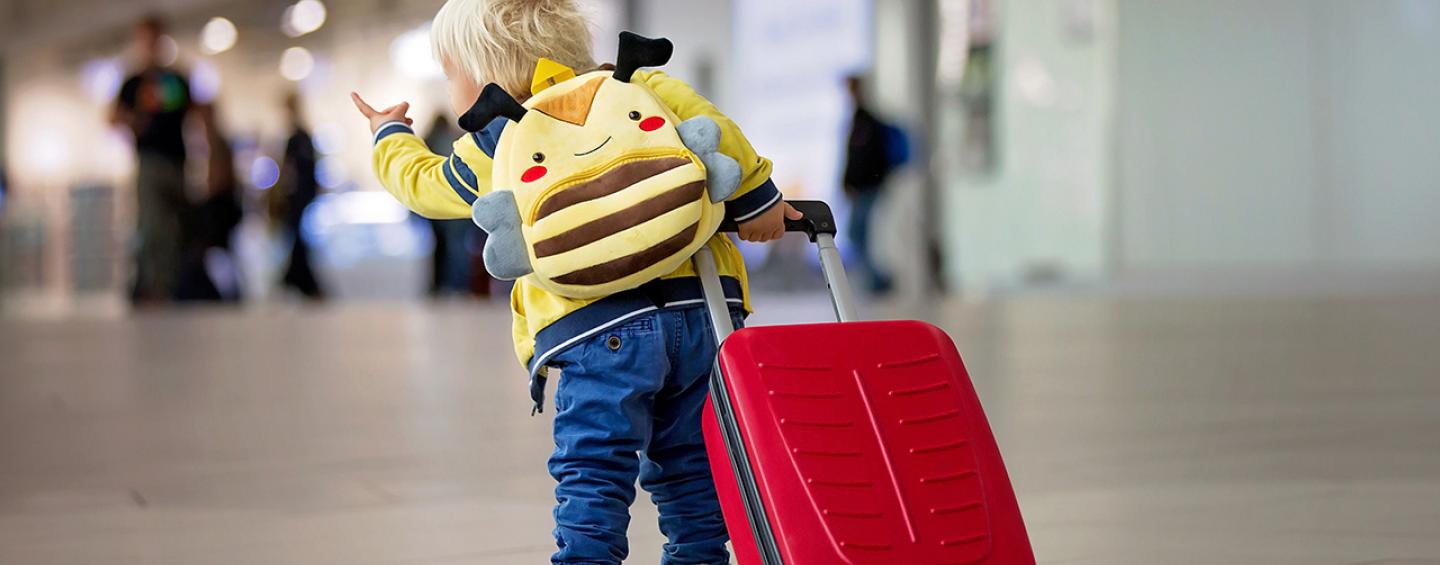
431, 185
757, 193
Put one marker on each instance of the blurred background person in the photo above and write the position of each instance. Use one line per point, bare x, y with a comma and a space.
870, 156
153, 104
299, 188
208, 269
452, 266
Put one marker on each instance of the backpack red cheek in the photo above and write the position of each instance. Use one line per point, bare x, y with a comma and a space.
533, 174
652, 123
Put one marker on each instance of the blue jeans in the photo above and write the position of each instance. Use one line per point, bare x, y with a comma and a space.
628, 404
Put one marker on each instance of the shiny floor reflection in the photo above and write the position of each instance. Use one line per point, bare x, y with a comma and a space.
1267, 431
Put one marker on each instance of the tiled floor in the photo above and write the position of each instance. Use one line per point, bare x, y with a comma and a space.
1144, 432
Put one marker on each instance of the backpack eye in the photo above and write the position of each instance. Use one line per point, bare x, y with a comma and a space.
634, 115
538, 157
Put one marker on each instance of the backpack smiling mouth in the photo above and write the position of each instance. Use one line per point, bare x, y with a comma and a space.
597, 147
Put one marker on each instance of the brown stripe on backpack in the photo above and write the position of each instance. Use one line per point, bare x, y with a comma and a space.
630, 264
615, 180
616, 222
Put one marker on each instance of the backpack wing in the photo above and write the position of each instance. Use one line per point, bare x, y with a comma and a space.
505, 253
702, 136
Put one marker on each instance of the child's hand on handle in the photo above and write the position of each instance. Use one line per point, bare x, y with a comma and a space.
379, 118
770, 224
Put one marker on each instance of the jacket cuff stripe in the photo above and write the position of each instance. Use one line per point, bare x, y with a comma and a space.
388, 129
753, 203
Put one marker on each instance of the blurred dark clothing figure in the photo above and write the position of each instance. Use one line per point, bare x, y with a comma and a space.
153, 104
297, 180
866, 163
209, 225
159, 100
452, 268
869, 159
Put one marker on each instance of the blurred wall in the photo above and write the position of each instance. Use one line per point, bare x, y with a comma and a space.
4, 116
1168, 140
1042, 212
897, 82
777, 69
1286, 135
701, 31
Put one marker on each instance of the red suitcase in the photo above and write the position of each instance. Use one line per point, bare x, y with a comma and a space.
858, 442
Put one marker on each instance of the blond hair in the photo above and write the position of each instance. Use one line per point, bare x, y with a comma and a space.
500, 40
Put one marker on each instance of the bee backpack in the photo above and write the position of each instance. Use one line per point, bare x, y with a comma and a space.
597, 186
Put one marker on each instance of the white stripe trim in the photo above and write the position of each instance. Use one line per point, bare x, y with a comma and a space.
385, 126
460, 177
542, 359
700, 301
759, 210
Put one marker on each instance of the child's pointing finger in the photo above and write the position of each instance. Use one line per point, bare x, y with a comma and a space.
360, 104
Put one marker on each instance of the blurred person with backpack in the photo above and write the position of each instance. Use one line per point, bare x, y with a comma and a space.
874, 150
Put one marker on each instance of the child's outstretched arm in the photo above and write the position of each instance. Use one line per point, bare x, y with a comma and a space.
431, 185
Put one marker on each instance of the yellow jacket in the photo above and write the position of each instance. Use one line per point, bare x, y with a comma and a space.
544, 324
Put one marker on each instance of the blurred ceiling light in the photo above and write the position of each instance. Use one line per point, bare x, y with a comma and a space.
264, 172
101, 78
204, 81
49, 154
410, 54
296, 63
1035, 83
218, 36
330, 138
369, 207
114, 152
330, 172
169, 51
303, 17
954, 41
285, 26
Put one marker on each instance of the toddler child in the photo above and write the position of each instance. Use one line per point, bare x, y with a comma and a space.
635, 365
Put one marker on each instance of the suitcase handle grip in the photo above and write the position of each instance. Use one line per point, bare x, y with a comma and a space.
818, 220
819, 225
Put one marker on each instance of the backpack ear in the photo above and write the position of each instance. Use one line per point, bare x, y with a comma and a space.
637, 51
493, 103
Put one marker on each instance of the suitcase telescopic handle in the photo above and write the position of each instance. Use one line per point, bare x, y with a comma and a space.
819, 225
